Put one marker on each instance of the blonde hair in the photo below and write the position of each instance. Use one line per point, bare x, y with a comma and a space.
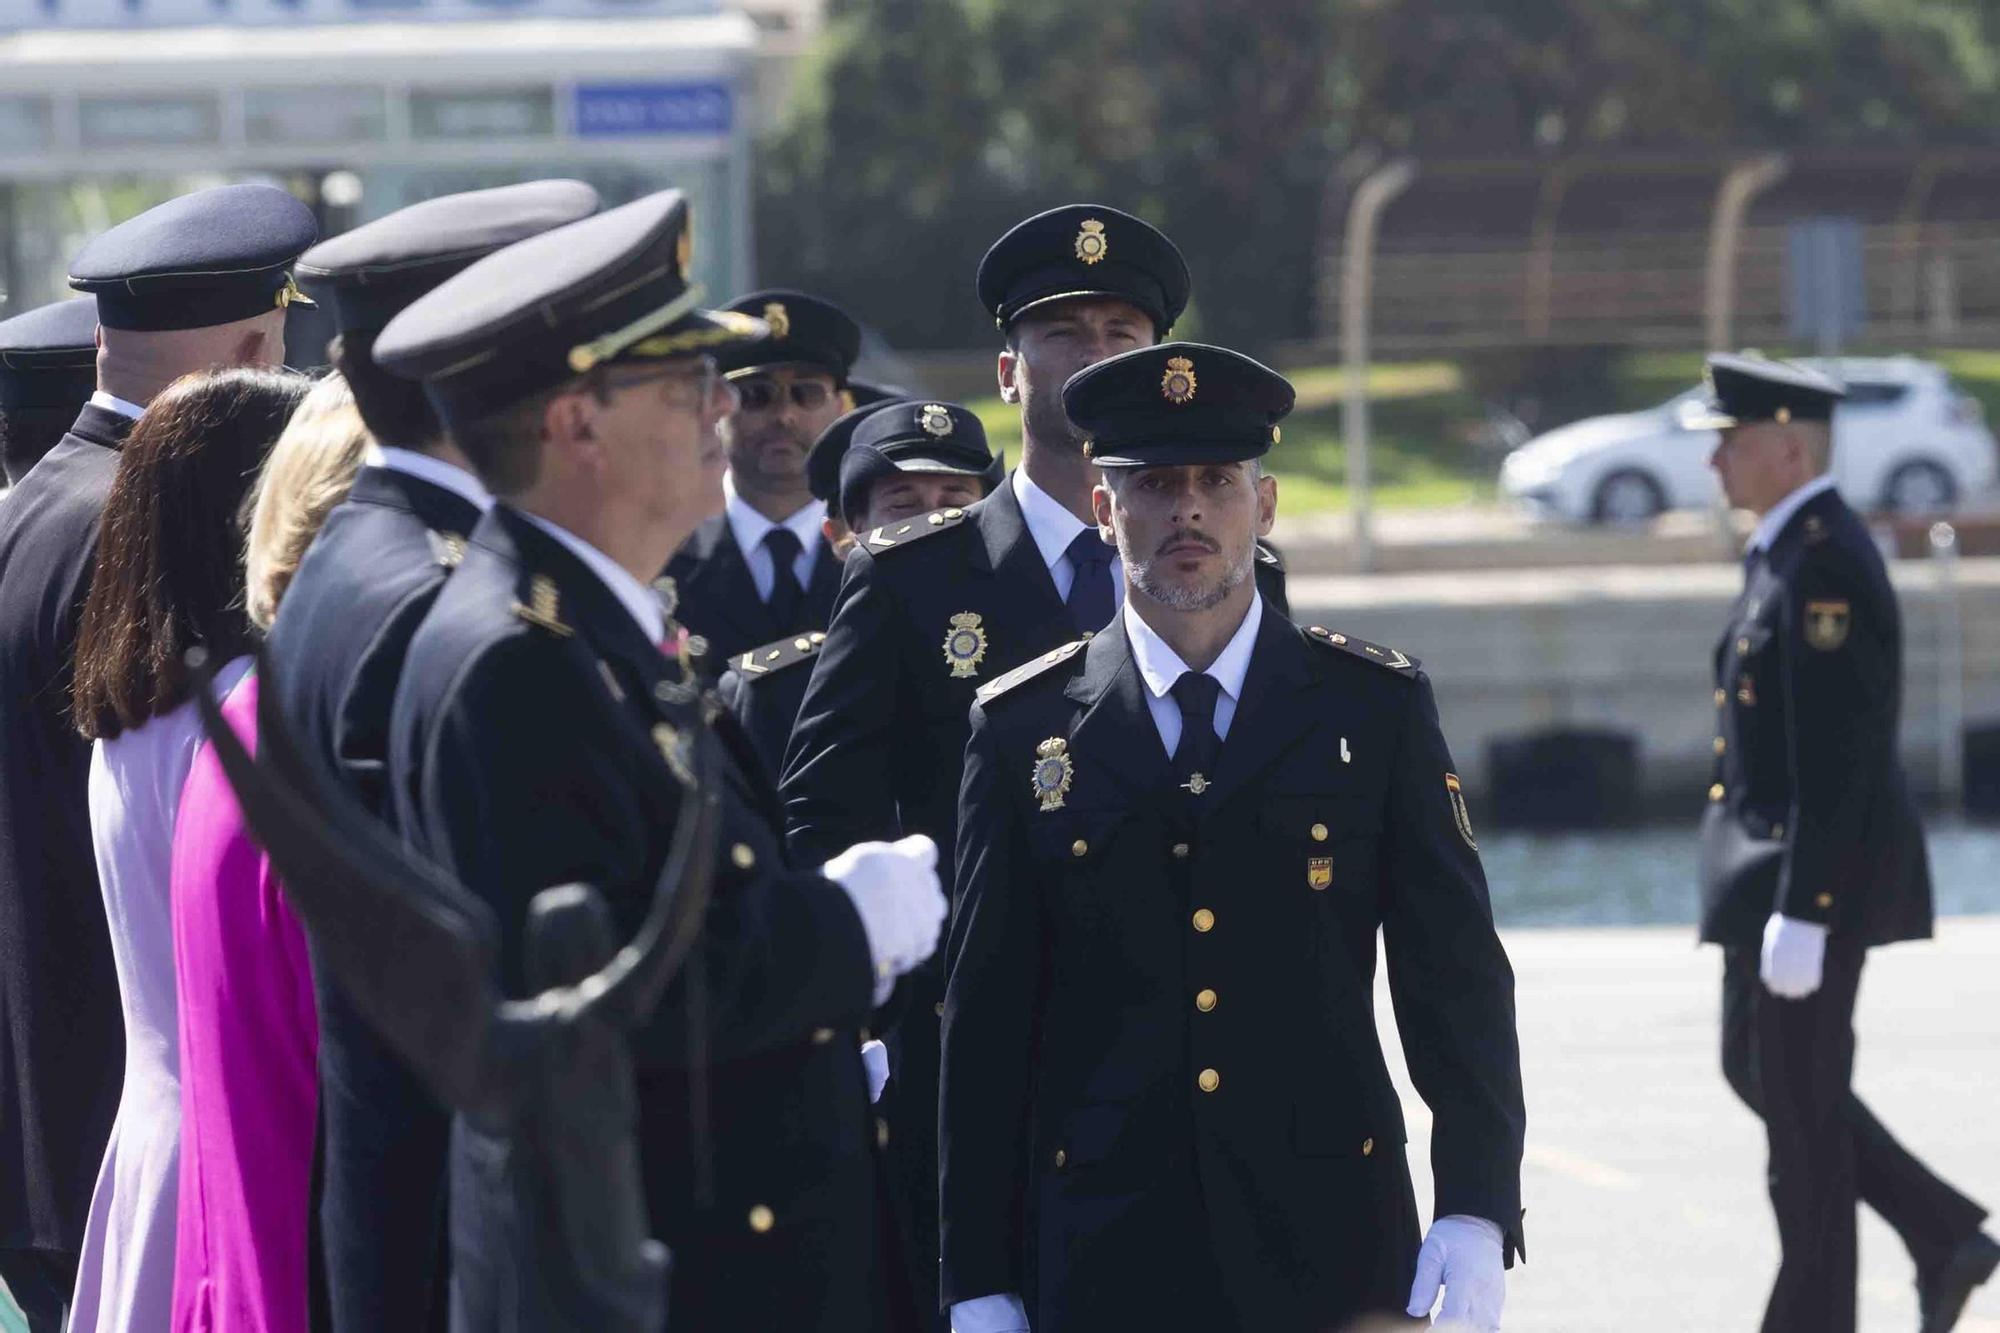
308, 472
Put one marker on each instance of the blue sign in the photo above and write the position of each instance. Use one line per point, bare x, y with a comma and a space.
623, 110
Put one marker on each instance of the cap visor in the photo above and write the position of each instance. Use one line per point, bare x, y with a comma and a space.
1181, 453
697, 332
1088, 294
940, 467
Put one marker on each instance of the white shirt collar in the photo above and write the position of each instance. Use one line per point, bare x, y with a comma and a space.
433, 470
1051, 525
1781, 513
633, 595
1160, 666
750, 527
113, 403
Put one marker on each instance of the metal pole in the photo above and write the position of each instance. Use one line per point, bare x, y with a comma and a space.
1951, 671
1357, 286
1743, 183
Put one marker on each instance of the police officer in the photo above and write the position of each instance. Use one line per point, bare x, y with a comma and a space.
1812, 852
201, 281
760, 570
540, 735
48, 370
336, 650
929, 456
1164, 1104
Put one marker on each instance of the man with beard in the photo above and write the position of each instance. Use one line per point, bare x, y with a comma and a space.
1164, 1103
760, 570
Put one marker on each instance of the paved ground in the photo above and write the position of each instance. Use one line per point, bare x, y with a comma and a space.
1644, 1180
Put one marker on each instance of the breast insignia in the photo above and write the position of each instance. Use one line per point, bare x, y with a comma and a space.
1373, 653
779, 654
910, 530
1027, 671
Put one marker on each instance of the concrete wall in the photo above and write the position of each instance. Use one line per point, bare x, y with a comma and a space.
1513, 651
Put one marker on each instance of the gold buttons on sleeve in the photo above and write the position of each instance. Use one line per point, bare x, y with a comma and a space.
938, 1008
1367, 1147
742, 857
1824, 901
1208, 1080
1319, 832
1062, 1159
1204, 1000
1204, 920
762, 1219
1715, 793
1079, 848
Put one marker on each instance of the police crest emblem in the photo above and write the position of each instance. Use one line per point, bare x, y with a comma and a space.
965, 645
1827, 624
1091, 244
1459, 814
1178, 384
935, 420
1053, 772
779, 318
1319, 873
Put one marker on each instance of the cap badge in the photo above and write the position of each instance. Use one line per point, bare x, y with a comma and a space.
289, 294
1053, 772
1178, 384
1827, 624
965, 645
935, 420
778, 318
1459, 814
1091, 245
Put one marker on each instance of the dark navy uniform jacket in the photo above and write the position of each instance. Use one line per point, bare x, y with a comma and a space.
534, 743
764, 686
62, 1039
1809, 814
718, 598
1160, 1049
335, 652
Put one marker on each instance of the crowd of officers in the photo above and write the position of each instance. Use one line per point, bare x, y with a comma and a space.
1040, 966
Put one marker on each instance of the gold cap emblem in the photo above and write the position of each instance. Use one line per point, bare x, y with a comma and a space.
289, 295
1178, 384
1091, 245
1053, 772
779, 318
935, 420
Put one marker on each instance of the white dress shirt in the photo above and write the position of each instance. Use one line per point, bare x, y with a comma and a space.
433, 470
1160, 666
633, 595
1779, 514
113, 403
749, 528
1053, 529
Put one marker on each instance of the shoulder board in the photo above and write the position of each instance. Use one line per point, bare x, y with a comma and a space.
1028, 670
777, 655
1268, 555
909, 531
543, 607
1389, 659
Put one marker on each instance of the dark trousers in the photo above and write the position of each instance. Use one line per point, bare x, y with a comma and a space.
41, 1282
1792, 1062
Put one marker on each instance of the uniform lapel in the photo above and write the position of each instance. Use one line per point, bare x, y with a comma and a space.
1115, 741
1012, 556
434, 506
101, 426
1271, 716
722, 585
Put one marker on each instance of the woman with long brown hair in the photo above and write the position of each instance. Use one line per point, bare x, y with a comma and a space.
169, 578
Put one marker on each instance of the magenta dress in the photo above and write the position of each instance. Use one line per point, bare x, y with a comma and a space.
249, 1038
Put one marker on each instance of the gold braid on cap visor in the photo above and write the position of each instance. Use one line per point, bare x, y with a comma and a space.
726, 326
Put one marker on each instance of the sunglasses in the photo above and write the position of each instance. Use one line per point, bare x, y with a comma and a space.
761, 394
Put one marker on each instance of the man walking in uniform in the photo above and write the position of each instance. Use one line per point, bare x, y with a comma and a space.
1812, 853
1164, 1104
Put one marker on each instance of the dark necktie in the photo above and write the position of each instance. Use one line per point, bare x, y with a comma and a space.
1194, 758
786, 594
1090, 601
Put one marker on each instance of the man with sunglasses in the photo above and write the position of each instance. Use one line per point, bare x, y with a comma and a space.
542, 734
760, 570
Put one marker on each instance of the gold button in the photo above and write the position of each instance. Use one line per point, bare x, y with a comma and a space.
817, 636
1079, 848
1208, 1080
1720, 695
1180, 851
1825, 900
1319, 832
936, 520
1062, 1159
1204, 920
802, 644
1715, 793
881, 1133
1204, 1000
821, 1036
954, 513
1720, 745
762, 1219
938, 1008
1743, 645
1367, 1147
742, 856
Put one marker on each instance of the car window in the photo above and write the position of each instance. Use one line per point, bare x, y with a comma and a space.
1874, 393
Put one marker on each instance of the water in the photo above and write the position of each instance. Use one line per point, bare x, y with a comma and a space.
1647, 876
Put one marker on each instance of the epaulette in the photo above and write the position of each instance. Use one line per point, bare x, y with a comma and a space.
543, 607
1389, 659
778, 655
912, 530
447, 548
1028, 670
1268, 555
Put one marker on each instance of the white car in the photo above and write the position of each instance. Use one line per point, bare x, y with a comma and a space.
1905, 439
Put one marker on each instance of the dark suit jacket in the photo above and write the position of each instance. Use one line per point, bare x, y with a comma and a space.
524, 756
1809, 814
62, 1040
1083, 1160
718, 598
335, 652
764, 686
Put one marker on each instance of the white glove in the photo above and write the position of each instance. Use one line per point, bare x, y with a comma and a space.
875, 1059
894, 889
1793, 958
1462, 1255
990, 1314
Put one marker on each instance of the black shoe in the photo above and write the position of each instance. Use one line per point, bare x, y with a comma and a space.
1943, 1292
